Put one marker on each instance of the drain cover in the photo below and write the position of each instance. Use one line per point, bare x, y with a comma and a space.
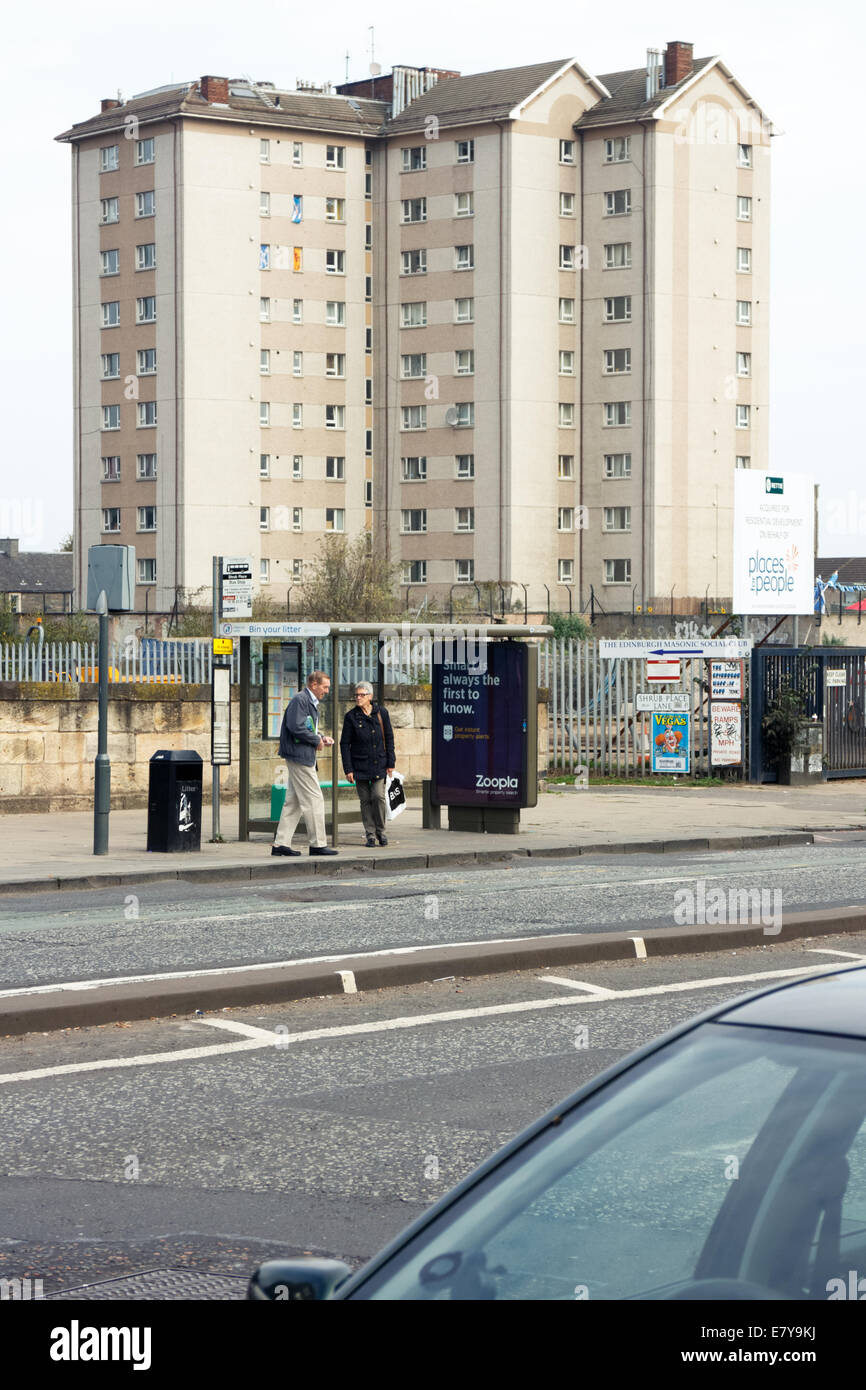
184, 1285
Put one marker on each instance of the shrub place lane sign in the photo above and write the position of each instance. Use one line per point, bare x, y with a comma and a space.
481, 733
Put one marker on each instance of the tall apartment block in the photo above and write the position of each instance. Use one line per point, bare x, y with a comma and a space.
514, 325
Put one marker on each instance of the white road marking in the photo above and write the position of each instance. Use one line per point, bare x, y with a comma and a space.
348, 979
639, 947
825, 951
283, 1039
232, 1025
574, 984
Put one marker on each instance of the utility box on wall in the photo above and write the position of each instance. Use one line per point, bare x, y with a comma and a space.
112, 568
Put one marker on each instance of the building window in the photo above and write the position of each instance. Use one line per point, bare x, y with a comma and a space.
415, 572
464, 362
566, 151
368, 441
744, 364
264, 518
617, 571
744, 311
618, 150
264, 256
566, 204
744, 209
297, 259
617, 255
145, 309
743, 417
413, 210
297, 153
565, 468
265, 361
335, 364
465, 414
144, 152
111, 314
464, 257
335, 468
265, 151
146, 414
264, 465
413, 364
335, 417
464, 571
566, 415
744, 260
413, 522
147, 571
414, 157
464, 311
335, 519
413, 417
566, 364
264, 414
464, 466
297, 311
144, 204
368, 391
146, 466
617, 519
414, 469
109, 157
744, 156
566, 311
110, 365
617, 413
368, 492
368, 288
618, 309
111, 417
265, 310
264, 204
464, 204
111, 518
335, 209
617, 203
297, 364
109, 263
111, 468
108, 211
335, 156
145, 361
297, 569
565, 518
413, 315
264, 571
297, 415
368, 236
297, 518
566, 258
146, 519
464, 518
565, 571
413, 263
617, 361
465, 151
297, 466
617, 465
145, 256
335, 313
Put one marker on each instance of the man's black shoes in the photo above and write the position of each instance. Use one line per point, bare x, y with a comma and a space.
284, 849
322, 849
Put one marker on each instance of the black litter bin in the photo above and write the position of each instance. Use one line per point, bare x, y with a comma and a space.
174, 801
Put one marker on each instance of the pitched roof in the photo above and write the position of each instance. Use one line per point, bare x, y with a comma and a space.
344, 115
850, 568
628, 100
481, 96
37, 572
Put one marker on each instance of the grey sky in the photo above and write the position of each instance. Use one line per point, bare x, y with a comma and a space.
803, 64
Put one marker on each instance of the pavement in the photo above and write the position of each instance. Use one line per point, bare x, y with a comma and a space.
55, 850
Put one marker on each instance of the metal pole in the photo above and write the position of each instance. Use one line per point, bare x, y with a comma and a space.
796, 630
102, 770
215, 772
244, 741
547, 590
525, 603
335, 776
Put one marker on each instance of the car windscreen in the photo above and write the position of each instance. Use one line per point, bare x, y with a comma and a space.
684, 1168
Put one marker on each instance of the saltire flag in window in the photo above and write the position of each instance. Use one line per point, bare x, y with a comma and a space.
297, 214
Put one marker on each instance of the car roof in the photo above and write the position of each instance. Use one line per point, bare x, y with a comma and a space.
833, 1003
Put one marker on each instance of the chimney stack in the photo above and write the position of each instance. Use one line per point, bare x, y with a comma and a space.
9, 546
215, 90
678, 62
109, 104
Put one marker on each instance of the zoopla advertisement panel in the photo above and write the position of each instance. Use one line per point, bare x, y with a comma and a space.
480, 729
774, 543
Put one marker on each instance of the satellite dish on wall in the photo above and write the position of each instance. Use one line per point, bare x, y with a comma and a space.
452, 415
375, 69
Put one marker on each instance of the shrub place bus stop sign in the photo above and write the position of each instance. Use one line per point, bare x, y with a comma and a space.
485, 739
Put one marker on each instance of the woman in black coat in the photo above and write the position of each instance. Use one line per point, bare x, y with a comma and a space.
367, 750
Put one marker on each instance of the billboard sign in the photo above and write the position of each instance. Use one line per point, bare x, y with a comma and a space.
671, 742
236, 586
726, 733
484, 729
774, 548
726, 680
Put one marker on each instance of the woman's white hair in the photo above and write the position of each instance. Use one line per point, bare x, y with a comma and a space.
365, 686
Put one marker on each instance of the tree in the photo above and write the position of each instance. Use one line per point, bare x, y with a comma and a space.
570, 625
65, 546
349, 583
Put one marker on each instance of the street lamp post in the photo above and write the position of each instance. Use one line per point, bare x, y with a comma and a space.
102, 769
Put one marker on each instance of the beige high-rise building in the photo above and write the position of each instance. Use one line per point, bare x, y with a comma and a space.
513, 324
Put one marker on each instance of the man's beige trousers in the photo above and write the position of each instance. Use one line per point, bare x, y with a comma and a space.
303, 798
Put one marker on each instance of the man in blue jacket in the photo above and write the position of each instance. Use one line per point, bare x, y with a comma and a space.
300, 741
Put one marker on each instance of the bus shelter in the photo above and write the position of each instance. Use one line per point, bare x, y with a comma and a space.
284, 653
